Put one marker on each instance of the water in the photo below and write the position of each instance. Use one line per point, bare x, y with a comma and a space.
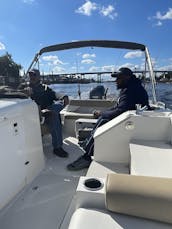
164, 93
72, 89
163, 90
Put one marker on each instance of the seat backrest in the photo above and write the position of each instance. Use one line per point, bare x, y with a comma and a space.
112, 139
151, 158
91, 102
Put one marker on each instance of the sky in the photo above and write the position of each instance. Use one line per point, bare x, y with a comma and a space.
26, 26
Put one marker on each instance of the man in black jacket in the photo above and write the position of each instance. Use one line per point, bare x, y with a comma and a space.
45, 98
131, 94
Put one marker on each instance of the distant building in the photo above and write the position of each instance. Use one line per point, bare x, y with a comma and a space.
11, 81
2, 80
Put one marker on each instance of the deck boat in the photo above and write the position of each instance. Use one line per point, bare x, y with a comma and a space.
128, 184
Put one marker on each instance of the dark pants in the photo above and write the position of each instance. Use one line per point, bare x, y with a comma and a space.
54, 124
89, 146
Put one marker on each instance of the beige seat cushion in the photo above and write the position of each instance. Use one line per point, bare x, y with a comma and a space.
147, 197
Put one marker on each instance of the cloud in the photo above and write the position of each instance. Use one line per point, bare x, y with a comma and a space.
159, 23
50, 58
166, 16
161, 17
87, 61
87, 56
94, 69
108, 12
133, 54
28, 1
53, 59
87, 8
57, 62
108, 68
165, 68
74, 68
58, 69
2, 46
154, 61
129, 65
78, 53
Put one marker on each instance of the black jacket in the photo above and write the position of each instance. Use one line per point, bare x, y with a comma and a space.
43, 95
133, 94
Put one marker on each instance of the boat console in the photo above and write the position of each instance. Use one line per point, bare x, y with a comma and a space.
21, 157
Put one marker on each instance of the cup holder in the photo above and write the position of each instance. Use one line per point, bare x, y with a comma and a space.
93, 184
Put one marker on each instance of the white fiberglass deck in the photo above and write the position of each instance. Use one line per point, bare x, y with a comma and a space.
45, 203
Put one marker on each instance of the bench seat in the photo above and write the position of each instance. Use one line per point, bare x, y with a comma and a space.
97, 218
130, 202
151, 158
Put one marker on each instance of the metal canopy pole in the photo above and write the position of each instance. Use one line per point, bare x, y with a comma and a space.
152, 75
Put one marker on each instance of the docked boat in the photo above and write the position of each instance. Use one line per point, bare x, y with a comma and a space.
128, 184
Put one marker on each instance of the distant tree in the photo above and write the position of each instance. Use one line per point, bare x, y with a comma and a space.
10, 70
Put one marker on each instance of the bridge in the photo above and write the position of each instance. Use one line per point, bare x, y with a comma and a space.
82, 77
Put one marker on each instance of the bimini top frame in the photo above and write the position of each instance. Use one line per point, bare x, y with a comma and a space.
103, 44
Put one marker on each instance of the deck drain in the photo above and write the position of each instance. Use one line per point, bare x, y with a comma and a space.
35, 188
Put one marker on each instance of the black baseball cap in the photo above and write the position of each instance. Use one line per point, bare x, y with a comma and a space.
34, 72
121, 72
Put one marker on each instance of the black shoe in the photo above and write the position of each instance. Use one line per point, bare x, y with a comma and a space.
80, 163
60, 152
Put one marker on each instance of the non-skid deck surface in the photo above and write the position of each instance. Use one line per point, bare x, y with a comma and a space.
45, 203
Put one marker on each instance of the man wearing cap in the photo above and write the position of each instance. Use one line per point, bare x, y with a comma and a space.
131, 94
45, 98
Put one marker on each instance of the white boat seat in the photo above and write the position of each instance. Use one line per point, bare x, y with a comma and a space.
131, 202
84, 218
101, 169
75, 115
84, 122
77, 109
151, 158
88, 106
84, 108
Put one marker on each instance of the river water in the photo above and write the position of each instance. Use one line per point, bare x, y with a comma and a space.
163, 90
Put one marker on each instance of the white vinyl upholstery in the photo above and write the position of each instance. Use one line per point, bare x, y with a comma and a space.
85, 218
101, 169
118, 133
151, 158
132, 202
